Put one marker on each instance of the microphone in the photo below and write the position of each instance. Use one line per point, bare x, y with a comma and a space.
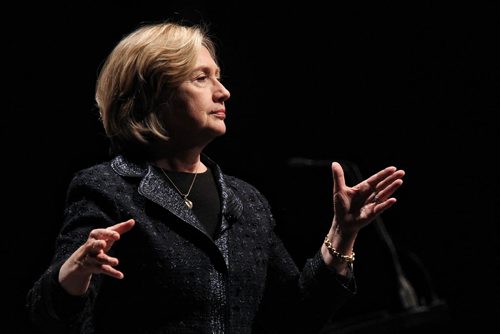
306, 162
301, 162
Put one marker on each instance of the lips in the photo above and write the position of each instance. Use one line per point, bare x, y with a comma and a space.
219, 113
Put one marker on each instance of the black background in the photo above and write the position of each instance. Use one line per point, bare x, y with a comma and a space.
413, 85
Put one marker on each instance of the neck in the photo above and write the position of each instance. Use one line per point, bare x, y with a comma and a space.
182, 163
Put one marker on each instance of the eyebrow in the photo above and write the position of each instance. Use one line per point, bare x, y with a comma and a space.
206, 68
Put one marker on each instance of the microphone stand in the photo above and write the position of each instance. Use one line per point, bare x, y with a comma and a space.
432, 314
407, 294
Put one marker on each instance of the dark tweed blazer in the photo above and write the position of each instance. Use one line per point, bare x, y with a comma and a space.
177, 279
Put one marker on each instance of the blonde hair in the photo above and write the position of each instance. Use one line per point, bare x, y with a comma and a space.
139, 78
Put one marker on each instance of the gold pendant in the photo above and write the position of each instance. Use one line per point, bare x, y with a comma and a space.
189, 204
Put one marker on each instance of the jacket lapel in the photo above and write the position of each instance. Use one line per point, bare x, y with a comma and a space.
231, 204
154, 187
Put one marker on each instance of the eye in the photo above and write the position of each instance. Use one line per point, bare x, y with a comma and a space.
201, 78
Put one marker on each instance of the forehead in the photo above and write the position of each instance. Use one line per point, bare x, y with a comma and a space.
204, 61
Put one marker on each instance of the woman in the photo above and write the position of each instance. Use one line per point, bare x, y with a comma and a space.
160, 240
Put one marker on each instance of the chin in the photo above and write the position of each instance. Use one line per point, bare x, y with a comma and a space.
220, 130
216, 132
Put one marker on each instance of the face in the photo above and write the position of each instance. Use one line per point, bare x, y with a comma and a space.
198, 111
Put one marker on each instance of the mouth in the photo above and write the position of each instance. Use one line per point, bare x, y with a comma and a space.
219, 113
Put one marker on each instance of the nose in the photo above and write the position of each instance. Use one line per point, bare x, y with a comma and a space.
221, 94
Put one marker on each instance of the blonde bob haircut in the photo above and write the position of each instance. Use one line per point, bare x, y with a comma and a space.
139, 78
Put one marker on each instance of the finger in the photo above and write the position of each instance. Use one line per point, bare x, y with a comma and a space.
389, 180
389, 190
91, 257
94, 246
88, 252
110, 271
104, 234
381, 207
103, 258
376, 178
119, 229
98, 268
338, 177
123, 227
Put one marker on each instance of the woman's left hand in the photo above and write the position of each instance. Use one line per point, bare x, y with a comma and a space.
355, 207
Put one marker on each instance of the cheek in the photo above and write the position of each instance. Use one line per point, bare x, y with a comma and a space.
193, 104
179, 107
196, 107
185, 103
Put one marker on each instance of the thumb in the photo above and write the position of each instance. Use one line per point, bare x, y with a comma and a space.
338, 177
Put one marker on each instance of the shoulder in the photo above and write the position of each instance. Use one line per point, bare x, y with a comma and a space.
234, 184
101, 178
245, 190
94, 173
238, 184
114, 169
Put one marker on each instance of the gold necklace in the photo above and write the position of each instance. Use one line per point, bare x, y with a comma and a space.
187, 201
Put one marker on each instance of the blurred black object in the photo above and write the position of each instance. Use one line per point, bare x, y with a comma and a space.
396, 294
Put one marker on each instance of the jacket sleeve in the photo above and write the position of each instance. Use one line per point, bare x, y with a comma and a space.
49, 306
300, 300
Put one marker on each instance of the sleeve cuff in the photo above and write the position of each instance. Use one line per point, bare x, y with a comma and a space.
327, 273
61, 304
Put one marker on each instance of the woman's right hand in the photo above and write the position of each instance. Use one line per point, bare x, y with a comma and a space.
92, 258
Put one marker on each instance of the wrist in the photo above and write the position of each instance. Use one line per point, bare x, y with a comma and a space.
341, 230
342, 256
340, 267
341, 240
